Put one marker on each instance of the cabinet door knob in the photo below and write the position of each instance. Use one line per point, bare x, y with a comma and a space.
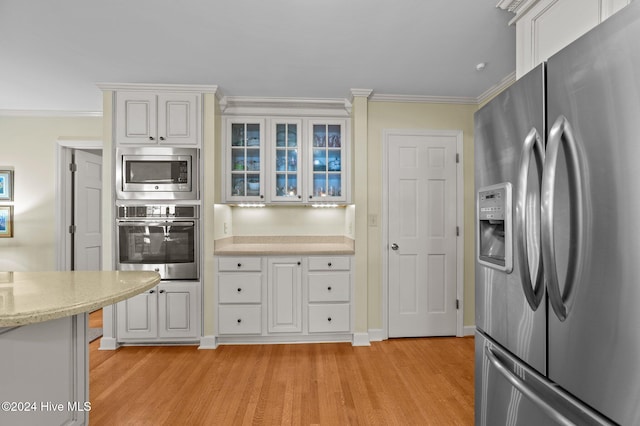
151, 138
161, 138
151, 291
329, 264
261, 196
239, 265
239, 320
161, 291
239, 289
299, 263
299, 197
329, 319
329, 288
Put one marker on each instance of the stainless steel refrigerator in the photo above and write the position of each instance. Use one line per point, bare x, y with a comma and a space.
557, 159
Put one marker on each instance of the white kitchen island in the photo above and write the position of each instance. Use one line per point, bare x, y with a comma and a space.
44, 355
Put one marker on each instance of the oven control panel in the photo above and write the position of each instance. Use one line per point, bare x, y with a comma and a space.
158, 211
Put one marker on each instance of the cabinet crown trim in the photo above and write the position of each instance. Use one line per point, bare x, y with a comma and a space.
247, 105
159, 87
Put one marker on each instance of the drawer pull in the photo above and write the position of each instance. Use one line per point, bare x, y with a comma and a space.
329, 288
239, 320
239, 265
329, 319
239, 290
329, 264
161, 291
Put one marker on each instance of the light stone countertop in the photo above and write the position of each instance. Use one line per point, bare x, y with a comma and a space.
31, 297
281, 245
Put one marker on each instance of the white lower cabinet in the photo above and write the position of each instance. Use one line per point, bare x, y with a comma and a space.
274, 299
168, 312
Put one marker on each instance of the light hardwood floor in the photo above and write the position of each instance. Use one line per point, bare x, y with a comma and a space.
396, 382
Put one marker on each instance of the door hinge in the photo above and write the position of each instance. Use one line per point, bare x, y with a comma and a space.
457, 231
457, 157
457, 304
72, 229
73, 167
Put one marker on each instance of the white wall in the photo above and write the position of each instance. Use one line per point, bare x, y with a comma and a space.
28, 144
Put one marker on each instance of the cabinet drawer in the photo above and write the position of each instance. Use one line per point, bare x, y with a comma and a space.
239, 264
329, 287
329, 263
329, 318
237, 319
240, 288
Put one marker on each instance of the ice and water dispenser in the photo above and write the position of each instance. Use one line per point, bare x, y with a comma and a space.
494, 246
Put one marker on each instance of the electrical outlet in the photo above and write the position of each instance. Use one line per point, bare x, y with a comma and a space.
373, 220
226, 228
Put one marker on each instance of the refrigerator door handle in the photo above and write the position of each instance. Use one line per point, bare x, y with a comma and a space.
560, 132
533, 293
525, 389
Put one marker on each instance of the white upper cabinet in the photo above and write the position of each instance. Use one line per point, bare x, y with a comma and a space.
147, 118
278, 160
286, 156
544, 27
327, 161
245, 160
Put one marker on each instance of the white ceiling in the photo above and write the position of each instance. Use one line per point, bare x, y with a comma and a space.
52, 53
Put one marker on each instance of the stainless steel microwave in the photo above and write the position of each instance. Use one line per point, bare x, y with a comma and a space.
157, 173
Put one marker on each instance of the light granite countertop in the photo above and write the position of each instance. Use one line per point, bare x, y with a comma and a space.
31, 297
280, 245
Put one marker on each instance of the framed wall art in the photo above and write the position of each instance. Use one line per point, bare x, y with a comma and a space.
6, 185
6, 221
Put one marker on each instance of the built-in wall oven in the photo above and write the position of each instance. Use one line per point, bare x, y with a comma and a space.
157, 173
162, 238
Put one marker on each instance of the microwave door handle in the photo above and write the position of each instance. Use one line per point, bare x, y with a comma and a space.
560, 132
533, 293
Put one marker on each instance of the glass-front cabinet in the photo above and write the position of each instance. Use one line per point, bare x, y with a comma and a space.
283, 160
245, 160
327, 178
286, 160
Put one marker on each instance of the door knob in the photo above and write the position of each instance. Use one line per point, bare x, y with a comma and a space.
394, 246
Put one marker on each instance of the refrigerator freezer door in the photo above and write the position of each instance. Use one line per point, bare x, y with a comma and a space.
501, 129
511, 393
595, 84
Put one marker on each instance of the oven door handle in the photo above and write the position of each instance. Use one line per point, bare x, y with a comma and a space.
167, 223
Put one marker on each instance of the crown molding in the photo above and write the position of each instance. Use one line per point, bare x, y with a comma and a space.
241, 105
199, 88
365, 93
381, 97
494, 90
47, 113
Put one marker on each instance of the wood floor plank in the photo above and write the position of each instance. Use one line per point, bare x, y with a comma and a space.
396, 382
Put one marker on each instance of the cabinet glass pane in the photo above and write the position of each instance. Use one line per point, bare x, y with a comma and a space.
237, 135
319, 160
319, 184
292, 135
253, 160
319, 135
334, 160
238, 185
238, 159
334, 139
281, 135
286, 185
253, 135
253, 184
335, 185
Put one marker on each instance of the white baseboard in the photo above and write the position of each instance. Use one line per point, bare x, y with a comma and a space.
469, 330
361, 339
108, 344
376, 334
208, 342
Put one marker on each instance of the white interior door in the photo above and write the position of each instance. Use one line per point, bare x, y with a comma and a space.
87, 252
422, 235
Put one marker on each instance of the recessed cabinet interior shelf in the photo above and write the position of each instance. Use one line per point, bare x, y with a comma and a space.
277, 160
